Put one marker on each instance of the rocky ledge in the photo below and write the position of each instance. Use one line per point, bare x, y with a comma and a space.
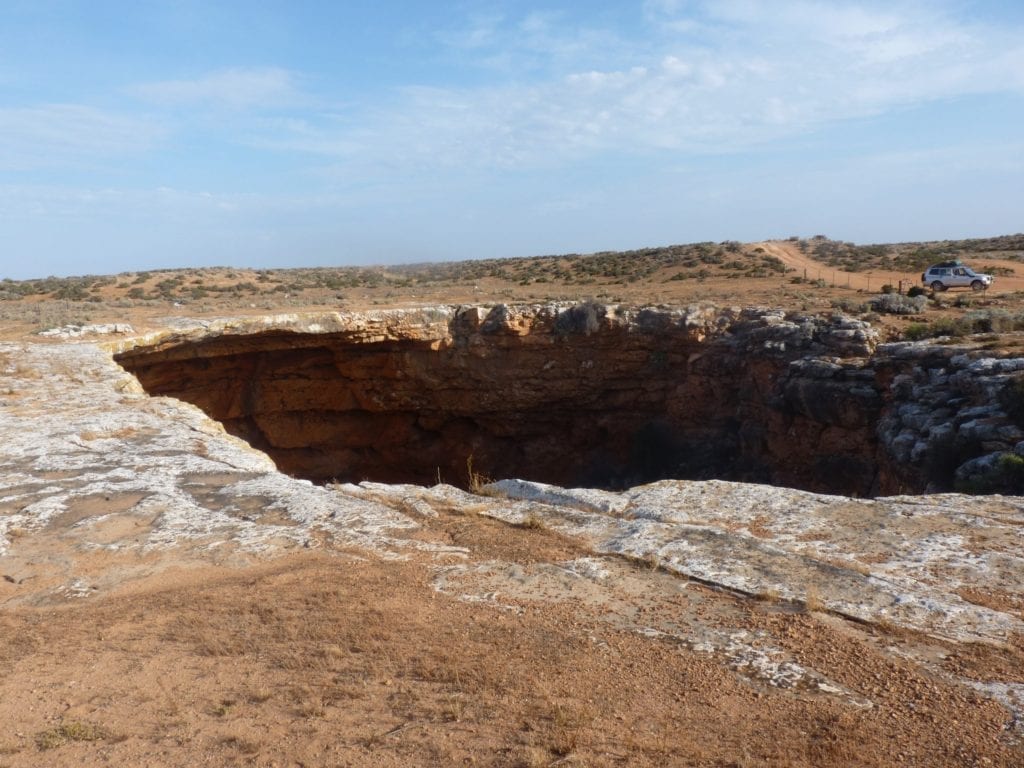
599, 396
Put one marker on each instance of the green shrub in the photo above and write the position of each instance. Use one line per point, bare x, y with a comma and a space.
917, 332
1005, 476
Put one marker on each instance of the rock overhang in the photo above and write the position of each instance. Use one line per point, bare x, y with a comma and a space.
570, 393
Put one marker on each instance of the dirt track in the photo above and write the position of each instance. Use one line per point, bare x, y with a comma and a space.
870, 281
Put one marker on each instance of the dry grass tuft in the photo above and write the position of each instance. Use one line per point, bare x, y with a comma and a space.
241, 744
71, 730
652, 561
812, 601
533, 522
531, 757
848, 565
475, 480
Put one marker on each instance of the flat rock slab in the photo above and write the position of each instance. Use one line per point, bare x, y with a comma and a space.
102, 483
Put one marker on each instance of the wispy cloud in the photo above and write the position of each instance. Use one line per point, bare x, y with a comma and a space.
535, 43
233, 89
69, 135
756, 72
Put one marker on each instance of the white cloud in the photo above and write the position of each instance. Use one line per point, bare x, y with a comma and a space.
235, 89
62, 135
481, 31
813, 18
757, 71
534, 43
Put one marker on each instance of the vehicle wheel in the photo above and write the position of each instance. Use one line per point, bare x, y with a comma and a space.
938, 287
977, 285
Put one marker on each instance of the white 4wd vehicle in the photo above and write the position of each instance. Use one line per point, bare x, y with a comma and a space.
953, 274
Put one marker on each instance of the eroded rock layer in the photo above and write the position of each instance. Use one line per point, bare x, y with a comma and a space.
587, 395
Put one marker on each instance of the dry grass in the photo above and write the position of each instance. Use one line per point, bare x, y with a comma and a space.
475, 481
848, 565
995, 599
68, 731
110, 434
812, 601
533, 522
329, 661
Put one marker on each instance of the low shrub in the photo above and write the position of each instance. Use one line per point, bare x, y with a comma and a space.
849, 306
917, 332
895, 304
1004, 475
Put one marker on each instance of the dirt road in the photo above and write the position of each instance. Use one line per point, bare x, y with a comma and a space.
871, 280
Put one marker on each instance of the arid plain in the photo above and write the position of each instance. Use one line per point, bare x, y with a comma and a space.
169, 598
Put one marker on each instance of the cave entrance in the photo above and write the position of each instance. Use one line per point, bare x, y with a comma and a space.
608, 409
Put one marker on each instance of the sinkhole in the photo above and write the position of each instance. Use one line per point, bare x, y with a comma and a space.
578, 396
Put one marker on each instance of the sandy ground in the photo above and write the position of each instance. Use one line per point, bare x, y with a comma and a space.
338, 659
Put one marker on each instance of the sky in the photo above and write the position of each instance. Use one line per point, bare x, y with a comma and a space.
185, 133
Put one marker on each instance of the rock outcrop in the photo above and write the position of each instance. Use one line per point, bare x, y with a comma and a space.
581, 395
593, 395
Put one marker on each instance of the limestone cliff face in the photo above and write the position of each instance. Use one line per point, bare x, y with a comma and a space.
575, 395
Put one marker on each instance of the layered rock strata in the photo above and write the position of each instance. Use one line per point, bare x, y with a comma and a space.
580, 395
598, 396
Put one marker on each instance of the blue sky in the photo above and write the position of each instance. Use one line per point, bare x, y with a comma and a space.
145, 134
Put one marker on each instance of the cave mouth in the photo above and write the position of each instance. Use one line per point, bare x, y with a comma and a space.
610, 409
